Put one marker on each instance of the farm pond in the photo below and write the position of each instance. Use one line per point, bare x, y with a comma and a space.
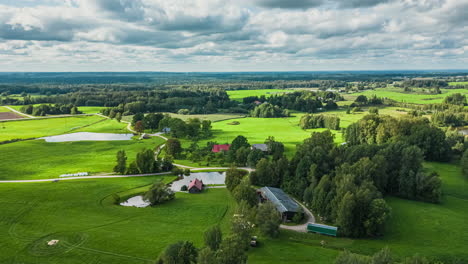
205, 177
88, 136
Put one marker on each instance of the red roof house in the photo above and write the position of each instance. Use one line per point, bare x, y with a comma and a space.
218, 148
195, 186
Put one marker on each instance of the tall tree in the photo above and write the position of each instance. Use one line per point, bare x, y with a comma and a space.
213, 237
239, 142
173, 147
121, 162
268, 219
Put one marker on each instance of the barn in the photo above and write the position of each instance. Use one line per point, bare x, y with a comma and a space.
219, 148
195, 186
285, 205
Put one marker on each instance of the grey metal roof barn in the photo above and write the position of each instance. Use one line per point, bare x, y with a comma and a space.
262, 147
280, 199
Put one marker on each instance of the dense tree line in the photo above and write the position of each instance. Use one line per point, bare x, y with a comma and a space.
46, 109
363, 100
417, 131
425, 83
450, 118
309, 102
267, 110
320, 121
455, 99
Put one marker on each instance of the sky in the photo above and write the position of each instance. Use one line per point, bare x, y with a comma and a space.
232, 35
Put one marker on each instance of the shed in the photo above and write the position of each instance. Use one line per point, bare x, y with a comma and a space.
285, 205
219, 148
322, 229
195, 186
262, 147
166, 130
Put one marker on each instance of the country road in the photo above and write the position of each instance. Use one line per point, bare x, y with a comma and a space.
18, 112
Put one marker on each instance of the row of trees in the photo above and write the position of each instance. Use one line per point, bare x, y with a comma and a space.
320, 121
46, 109
450, 118
144, 163
383, 256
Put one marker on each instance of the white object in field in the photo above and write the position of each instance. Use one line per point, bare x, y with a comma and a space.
52, 242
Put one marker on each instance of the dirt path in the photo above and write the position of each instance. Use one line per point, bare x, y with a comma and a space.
303, 227
18, 112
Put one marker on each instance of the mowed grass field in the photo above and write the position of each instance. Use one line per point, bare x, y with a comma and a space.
84, 109
239, 94
457, 83
91, 230
34, 128
37, 159
437, 231
407, 97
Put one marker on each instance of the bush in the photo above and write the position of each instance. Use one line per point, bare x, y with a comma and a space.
159, 193
115, 199
184, 188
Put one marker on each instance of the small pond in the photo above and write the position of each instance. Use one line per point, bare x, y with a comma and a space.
205, 177
463, 131
88, 136
136, 201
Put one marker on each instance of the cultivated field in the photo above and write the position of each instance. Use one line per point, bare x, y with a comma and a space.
92, 230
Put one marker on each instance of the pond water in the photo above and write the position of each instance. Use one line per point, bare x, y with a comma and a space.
88, 136
136, 201
464, 131
205, 177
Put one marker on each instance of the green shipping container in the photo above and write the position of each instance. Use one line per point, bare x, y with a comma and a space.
322, 229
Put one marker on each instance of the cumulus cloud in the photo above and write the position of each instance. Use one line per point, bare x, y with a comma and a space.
239, 35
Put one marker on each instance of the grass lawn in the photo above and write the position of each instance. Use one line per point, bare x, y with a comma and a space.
30, 128
92, 230
37, 159
239, 94
437, 231
3, 109
407, 97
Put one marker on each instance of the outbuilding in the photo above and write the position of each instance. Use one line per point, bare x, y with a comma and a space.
219, 148
322, 229
195, 186
285, 205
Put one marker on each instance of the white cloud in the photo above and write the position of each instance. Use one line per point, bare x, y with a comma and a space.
236, 35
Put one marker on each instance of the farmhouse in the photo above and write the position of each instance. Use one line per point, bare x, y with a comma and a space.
195, 186
262, 147
218, 148
284, 204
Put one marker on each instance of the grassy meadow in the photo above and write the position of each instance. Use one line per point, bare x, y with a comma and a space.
90, 229
414, 98
239, 94
437, 231
33, 128
37, 159
457, 83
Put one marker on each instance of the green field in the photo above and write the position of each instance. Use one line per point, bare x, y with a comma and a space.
239, 94
92, 230
407, 97
211, 117
37, 159
437, 231
285, 130
457, 83
3, 109
34, 128
90, 109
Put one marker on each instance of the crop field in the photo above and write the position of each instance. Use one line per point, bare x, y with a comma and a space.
407, 97
437, 231
37, 159
239, 94
90, 229
34, 128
